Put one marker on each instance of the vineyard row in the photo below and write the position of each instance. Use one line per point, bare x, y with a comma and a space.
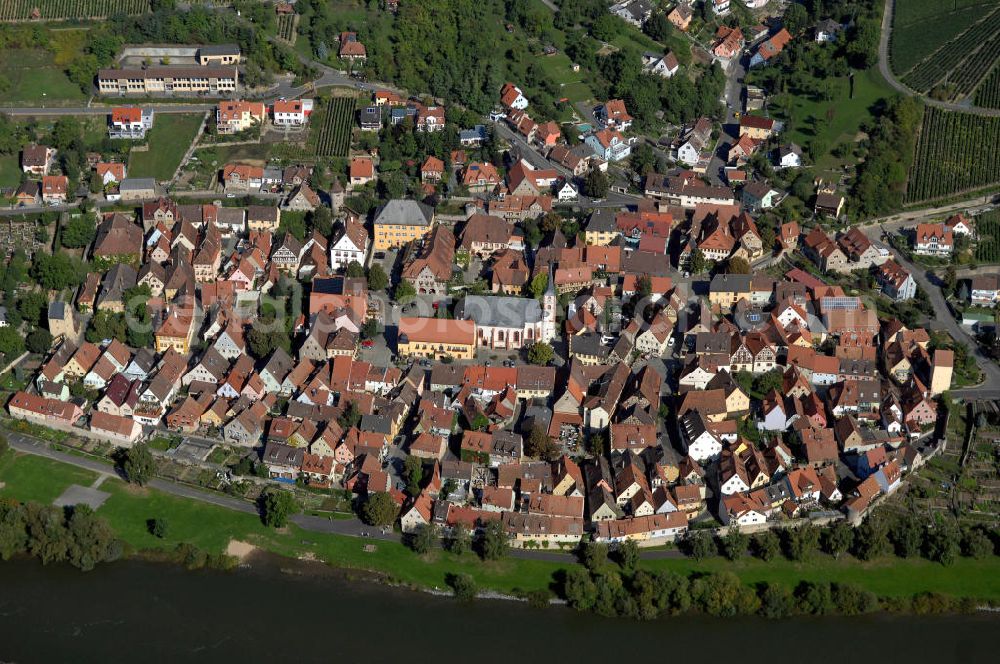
952, 55
956, 152
334, 139
25, 10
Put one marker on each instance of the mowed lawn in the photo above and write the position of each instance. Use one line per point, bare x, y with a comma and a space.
27, 477
835, 121
35, 79
211, 528
169, 139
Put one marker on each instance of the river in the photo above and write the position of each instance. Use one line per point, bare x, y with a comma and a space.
144, 612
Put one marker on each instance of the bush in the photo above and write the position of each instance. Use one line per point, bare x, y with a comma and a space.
4, 445
158, 527
776, 601
538, 599
850, 600
463, 585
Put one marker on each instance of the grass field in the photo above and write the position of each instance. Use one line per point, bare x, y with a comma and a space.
168, 141
251, 152
39, 479
36, 79
211, 528
10, 170
832, 122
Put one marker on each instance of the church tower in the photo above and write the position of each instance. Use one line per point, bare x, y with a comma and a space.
549, 301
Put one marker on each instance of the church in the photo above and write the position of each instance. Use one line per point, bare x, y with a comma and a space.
510, 323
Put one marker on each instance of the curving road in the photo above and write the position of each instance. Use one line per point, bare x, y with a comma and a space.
886, 71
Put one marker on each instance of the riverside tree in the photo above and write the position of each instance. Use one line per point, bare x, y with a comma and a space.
138, 464
494, 542
276, 506
379, 510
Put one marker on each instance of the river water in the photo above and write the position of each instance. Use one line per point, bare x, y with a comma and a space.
143, 612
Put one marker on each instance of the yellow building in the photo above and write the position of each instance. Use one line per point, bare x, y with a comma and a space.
262, 218
602, 228
401, 221
943, 364
232, 117
186, 79
175, 332
727, 289
437, 338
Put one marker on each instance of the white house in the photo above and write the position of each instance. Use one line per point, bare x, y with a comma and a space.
352, 245
293, 113
741, 510
700, 442
130, 122
789, 156
985, 290
609, 145
896, 282
721, 7
512, 97
774, 416
826, 30
933, 240
661, 65
959, 224
566, 192
733, 485
634, 12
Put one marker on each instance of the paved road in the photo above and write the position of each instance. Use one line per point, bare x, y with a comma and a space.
899, 219
886, 71
930, 282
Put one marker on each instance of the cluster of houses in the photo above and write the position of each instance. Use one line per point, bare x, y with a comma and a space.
235, 116
390, 109
792, 399
835, 429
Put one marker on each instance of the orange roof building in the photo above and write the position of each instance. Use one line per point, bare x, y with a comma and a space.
436, 337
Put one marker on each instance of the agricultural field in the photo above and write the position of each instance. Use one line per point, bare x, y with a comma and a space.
23, 10
955, 69
920, 27
988, 92
988, 231
331, 134
956, 152
169, 139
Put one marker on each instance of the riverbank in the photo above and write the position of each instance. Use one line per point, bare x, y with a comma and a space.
212, 528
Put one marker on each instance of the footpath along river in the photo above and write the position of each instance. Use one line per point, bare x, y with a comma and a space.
285, 611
